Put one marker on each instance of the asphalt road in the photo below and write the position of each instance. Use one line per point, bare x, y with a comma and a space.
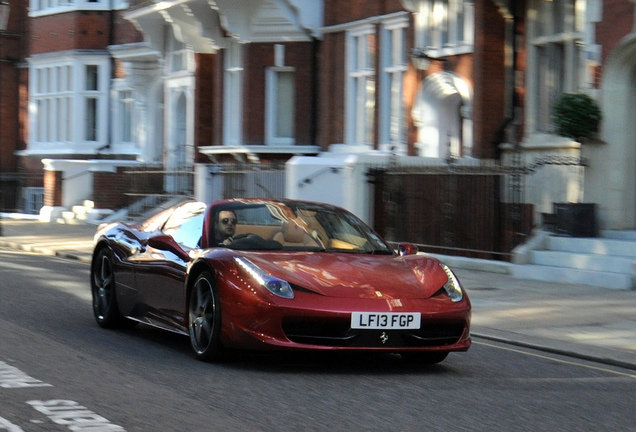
59, 371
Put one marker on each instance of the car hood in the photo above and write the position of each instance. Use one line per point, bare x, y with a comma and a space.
357, 276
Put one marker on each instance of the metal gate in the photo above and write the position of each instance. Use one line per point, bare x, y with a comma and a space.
457, 210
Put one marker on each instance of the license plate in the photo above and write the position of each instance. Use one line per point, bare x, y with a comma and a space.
385, 320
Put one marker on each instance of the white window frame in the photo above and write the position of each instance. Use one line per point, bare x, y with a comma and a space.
50, 7
445, 27
123, 117
273, 104
359, 124
547, 81
58, 103
180, 58
394, 65
233, 95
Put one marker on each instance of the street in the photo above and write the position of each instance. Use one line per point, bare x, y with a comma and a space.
60, 371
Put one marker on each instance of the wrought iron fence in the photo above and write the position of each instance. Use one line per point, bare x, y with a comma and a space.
148, 187
473, 210
21, 192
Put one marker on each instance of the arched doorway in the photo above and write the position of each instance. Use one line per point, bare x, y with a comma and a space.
440, 113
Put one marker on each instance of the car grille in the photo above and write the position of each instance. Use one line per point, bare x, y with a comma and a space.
340, 334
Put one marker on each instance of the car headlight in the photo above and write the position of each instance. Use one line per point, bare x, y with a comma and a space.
452, 286
273, 284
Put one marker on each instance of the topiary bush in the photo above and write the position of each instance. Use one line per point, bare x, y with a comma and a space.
576, 115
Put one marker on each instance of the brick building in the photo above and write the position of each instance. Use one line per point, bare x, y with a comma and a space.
95, 86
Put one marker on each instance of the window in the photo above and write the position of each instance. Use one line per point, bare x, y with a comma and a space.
53, 90
91, 119
91, 98
46, 7
233, 114
393, 116
68, 103
281, 106
180, 57
125, 113
361, 59
446, 26
186, 224
556, 57
91, 77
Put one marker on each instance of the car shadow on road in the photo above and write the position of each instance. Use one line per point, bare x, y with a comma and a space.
319, 362
340, 362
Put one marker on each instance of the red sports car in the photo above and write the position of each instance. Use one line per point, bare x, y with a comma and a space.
276, 274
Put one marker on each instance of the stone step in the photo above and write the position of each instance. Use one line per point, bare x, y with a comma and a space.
619, 235
549, 274
581, 261
598, 246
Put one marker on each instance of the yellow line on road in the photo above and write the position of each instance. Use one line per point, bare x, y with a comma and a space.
555, 359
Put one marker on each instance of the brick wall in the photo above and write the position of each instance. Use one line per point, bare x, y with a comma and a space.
204, 124
489, 77
259, 57
331, 95
339, 11
124, 31
617, 22
53, 188
72, 30
109, 189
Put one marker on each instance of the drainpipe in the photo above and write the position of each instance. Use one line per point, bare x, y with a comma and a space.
511, 17
315, 72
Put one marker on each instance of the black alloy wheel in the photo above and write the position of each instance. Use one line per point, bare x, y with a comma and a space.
103, 291
204, 319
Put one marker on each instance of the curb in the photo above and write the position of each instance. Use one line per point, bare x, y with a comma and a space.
570, 351
86, 258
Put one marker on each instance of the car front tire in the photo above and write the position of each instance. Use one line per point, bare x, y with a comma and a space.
204, 319
103, 291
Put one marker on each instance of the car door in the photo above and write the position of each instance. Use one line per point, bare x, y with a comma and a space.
160, 270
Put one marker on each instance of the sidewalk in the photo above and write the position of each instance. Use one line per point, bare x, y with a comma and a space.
586, 322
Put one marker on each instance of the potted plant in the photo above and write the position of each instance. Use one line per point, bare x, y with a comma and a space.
576, 116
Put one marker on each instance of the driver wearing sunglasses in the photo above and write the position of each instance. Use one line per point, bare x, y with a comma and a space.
225, 227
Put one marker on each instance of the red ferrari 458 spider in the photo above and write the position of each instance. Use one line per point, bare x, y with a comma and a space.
276, 274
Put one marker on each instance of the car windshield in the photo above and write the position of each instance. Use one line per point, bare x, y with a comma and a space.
287, 225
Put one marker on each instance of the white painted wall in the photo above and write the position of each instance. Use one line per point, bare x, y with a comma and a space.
340, 177
611, 177
77, 178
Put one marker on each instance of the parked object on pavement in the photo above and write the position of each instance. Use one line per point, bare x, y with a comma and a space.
287, 275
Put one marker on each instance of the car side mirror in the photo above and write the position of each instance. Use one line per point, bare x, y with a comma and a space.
166, 242
407, 249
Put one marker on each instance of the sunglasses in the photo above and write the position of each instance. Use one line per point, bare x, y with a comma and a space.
226, 221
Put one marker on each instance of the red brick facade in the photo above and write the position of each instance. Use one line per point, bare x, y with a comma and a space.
331, 96
489, 77
109, 189
618, 21
52, 188
339, 12
320, 74
206, 126
260, 57
71, 30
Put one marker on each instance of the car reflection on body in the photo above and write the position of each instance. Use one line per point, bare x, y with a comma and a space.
297, 275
